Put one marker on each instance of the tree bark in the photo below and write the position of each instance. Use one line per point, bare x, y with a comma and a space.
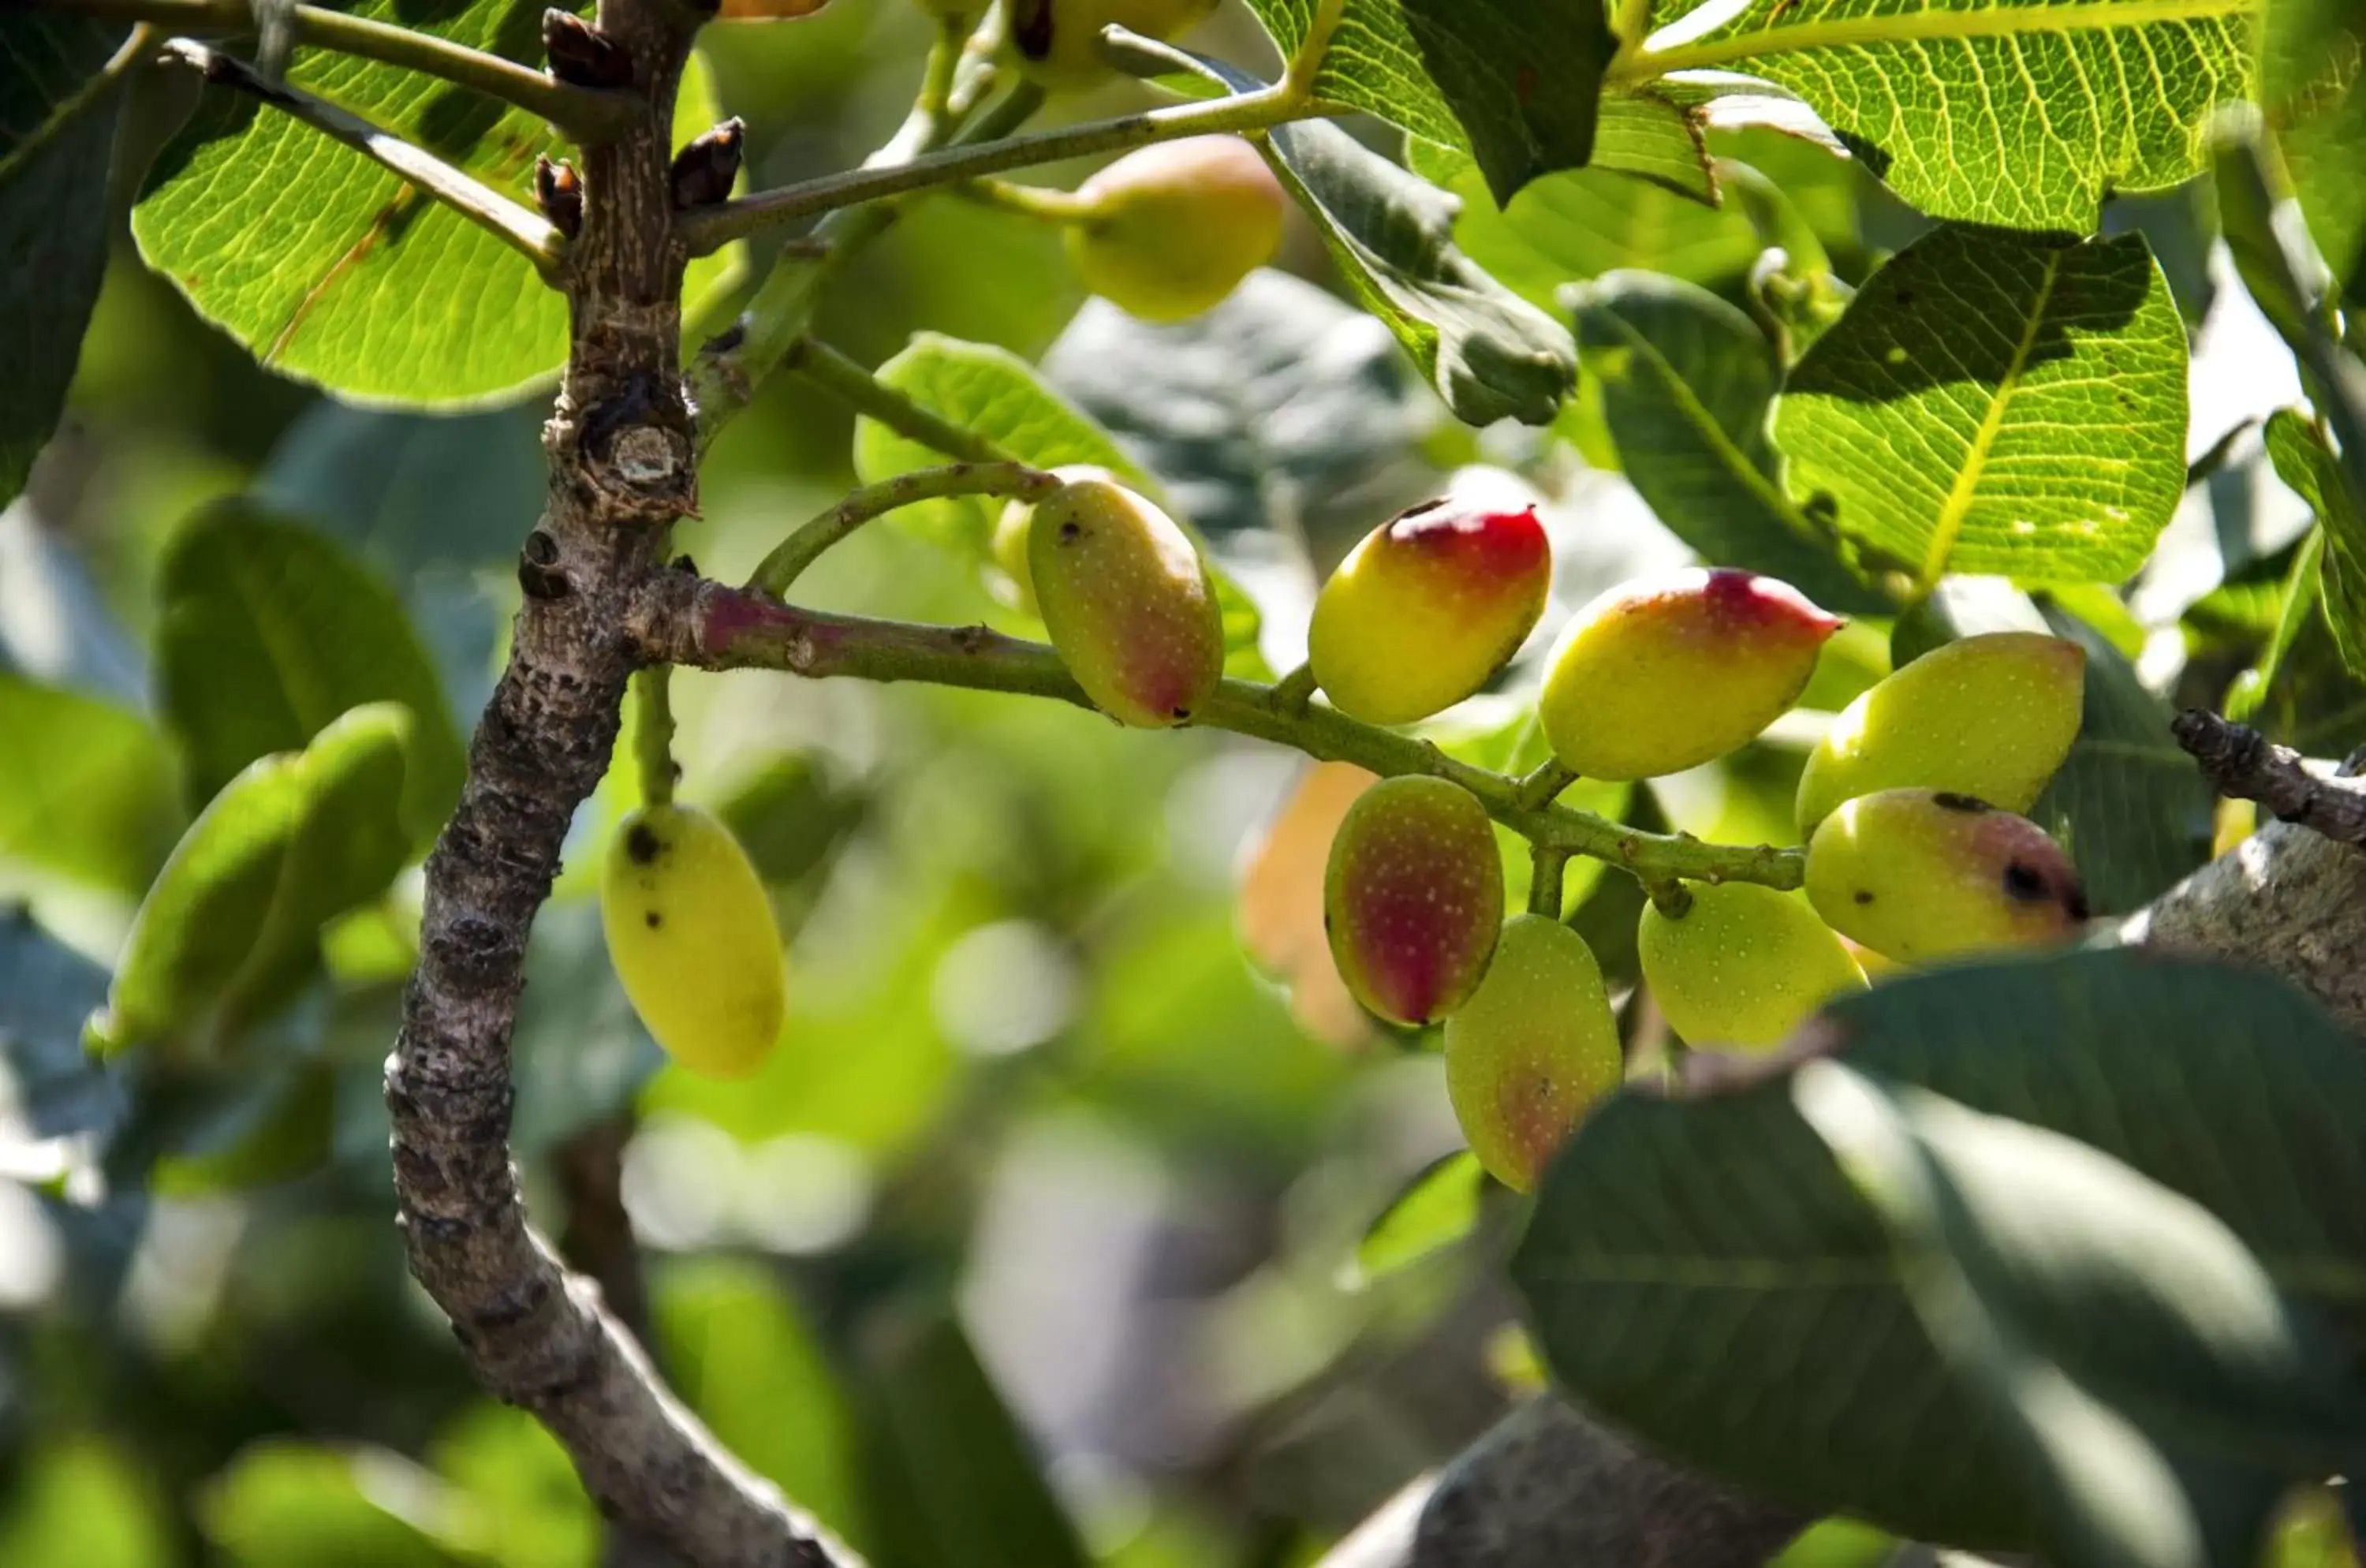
619, 443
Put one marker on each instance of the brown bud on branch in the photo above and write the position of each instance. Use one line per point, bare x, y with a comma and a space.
581, 54
702, 172
560, 193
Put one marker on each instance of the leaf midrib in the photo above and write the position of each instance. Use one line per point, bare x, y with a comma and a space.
1961, 494
1933, 25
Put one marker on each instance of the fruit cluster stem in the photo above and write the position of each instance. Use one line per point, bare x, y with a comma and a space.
789, 560
688, 620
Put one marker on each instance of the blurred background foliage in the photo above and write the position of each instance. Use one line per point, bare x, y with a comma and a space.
1043, 1239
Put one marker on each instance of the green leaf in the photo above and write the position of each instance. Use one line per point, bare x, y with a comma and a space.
56, 140
516, 1500
515, 1493
2129, 804
2313, 91
1490, 354
1701, 1273
2304, 462
286, 1504
742, 1352
86, 789
994, 393
2023, 113
267, 631
1998, 404
1435, 1210
255, 1134
1686, 383
2098, 1322
1524, 79
953, 1480
1654, 138
330, 268
1372, 62
1281, 410
82, 1500
232, 925
1585, 222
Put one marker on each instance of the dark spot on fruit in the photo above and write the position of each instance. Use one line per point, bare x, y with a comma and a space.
1071, 532
1182, 714
641, 844
1969, 804
2025, 882
2074, 900
653, 919
1864, 896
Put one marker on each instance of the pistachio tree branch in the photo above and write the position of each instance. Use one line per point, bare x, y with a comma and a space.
789, 560
526, 231
2241, 763
684, 620
587, 114
715, 226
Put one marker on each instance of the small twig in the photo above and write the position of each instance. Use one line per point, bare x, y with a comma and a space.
1043, 202
587, 114
718, 226
789, 560
2241, 763
527, 232
866, 394
653, 733
687, 620
1545, 878
1544, 786
1294, 691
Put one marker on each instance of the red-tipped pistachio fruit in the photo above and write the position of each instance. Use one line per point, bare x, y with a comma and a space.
1128, 602
1670, 671
1426, 608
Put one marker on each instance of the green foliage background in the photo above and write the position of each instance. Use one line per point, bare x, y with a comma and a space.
1053, 1234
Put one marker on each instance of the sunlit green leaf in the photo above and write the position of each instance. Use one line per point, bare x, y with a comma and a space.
330, 268
2310, 467
2313, 90
2015, 112
1994, 404
283, 1503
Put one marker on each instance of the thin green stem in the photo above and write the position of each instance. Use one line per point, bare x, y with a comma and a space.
714, 227
653, 733
1295, 690
1545, 785
1544, 881
587, 114
789, 560
719, 627
936, 78
725, 374
526, 231
1046, 202
866, 394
